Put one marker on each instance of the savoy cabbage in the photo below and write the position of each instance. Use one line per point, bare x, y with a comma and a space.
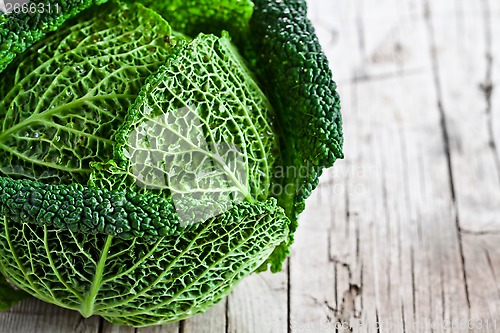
138, 150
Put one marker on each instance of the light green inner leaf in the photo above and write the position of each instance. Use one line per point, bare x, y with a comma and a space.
201, 132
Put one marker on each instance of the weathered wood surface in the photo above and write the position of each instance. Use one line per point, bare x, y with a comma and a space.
403, 235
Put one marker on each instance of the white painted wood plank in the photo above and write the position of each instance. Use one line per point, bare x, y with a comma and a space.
169, 328
313, 302
495, 70
336, 26
464, 75
109, 328
34, 316
395, 247
482, 256
259, 304
408, 261
465, 78
214, 320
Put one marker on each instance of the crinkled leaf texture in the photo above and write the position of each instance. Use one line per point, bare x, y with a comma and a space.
299, 82
125, 214
297, 79
139, 283
18, 31
208, 16
201, 130
117, 247
62, 101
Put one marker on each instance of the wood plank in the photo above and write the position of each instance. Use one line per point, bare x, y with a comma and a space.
464, 62
405, 215
465, 80
482, 256
109, 328
37, 316
259, 304
214, 320
312, 272
336, 25
494, 20
394, 242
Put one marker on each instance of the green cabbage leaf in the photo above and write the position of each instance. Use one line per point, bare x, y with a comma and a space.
136, 168
63, 100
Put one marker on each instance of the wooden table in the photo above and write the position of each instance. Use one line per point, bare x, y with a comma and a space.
403, 235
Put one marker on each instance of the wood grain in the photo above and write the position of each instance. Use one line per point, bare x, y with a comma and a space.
35, 316
402, 235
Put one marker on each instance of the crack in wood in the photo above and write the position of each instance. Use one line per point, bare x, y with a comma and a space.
347, 309
377, 320
344, 264
446, 138
82, 323
182, 326
365, 77
100, 327
335, 286
348, 306
325, 304
487, 86
360, 28
479, 233
358, 241
413, 285
347, 214
361, 298
226, 316
492, 270
443, 297
403, 320
387, 214
288, 296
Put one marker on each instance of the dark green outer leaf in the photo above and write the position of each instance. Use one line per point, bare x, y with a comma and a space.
87, 210
297, 79
19, 31
208, 16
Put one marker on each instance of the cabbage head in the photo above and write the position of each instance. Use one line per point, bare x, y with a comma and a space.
149, 151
